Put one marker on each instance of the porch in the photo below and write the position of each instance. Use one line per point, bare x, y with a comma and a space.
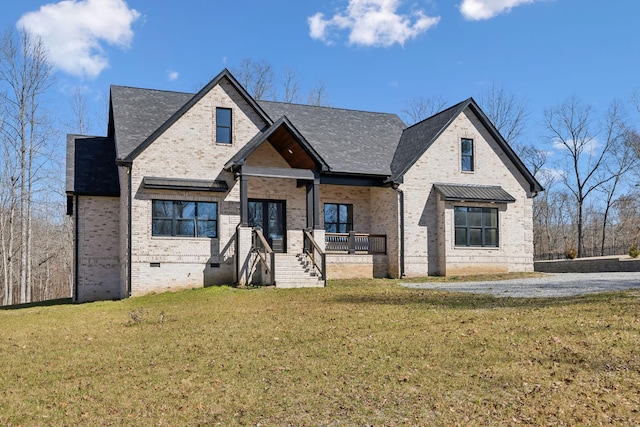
345, 255
292, 214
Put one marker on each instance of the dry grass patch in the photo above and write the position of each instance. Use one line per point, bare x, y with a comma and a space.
354, 353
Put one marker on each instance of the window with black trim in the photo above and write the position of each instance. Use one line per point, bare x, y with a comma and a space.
338, 217
466, 154
223, 125
476, 226
184, 219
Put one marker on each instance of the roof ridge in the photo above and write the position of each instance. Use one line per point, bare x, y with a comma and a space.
440, 112
327, 107
152, 90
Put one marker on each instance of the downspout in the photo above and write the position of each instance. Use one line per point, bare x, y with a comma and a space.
129, 168
401, 196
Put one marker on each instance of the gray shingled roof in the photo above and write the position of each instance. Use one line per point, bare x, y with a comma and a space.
350, 141
91, 166
418, 138
137, 113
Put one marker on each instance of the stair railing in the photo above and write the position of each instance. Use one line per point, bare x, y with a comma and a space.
266, 256
315, 254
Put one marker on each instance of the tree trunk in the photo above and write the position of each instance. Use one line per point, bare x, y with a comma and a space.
580, 237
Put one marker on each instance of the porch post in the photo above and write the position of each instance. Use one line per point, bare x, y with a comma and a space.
310, 206
316, 202
244, 200
313, 203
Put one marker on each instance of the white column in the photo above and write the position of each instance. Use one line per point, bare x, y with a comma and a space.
244, 237
318, 236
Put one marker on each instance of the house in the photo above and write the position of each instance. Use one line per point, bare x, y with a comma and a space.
191, 190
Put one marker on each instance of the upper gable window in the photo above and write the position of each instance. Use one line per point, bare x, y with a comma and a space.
223, 125
466, 155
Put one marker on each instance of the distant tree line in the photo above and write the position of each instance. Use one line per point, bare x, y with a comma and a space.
264, 84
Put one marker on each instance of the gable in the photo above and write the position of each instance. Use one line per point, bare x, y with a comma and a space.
141, 119
188, 147
417, 139
289, 144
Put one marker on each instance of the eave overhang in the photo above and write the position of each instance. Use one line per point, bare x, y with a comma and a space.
289, 143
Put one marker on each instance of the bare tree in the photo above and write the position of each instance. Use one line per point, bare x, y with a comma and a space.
25, 76
256, 77
623, 159
318, 95
80, 110
419, 108
8, 208
507, 112
635, 99
570, 126
291, 85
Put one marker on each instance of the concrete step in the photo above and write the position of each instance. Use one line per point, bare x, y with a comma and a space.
295, 271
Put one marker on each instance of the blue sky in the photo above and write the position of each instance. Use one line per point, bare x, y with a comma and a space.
370, 54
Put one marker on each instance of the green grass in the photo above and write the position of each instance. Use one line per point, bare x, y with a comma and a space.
355, 353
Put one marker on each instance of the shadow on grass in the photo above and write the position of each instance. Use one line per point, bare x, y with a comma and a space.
464, 300
47, 303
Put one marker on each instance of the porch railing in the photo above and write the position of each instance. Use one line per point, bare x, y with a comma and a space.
315, 254
356, 243
266, 256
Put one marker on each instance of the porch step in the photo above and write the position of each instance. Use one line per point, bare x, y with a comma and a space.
296, 271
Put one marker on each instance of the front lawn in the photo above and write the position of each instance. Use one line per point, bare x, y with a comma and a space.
354, 353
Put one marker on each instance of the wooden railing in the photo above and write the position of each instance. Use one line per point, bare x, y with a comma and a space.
266, 256
315, 254
356, 243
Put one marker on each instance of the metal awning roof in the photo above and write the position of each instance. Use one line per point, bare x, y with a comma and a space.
474, 193
184, 184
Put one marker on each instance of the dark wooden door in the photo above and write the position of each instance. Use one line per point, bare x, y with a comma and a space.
269, 216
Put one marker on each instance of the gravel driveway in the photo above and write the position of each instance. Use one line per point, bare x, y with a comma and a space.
548, 286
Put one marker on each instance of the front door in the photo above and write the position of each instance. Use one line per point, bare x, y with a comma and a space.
269, 216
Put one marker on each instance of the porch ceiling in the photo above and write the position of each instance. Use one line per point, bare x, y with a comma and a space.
291, 150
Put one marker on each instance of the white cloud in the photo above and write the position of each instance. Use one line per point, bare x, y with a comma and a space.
372, 23
75, 30
172, 75
476, 10
588, 146
548, 176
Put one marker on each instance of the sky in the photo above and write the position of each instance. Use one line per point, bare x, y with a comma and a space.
369, 54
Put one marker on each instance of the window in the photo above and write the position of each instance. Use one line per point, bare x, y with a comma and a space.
184, 219
466, 154
338, 218
223, 125
476, 226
